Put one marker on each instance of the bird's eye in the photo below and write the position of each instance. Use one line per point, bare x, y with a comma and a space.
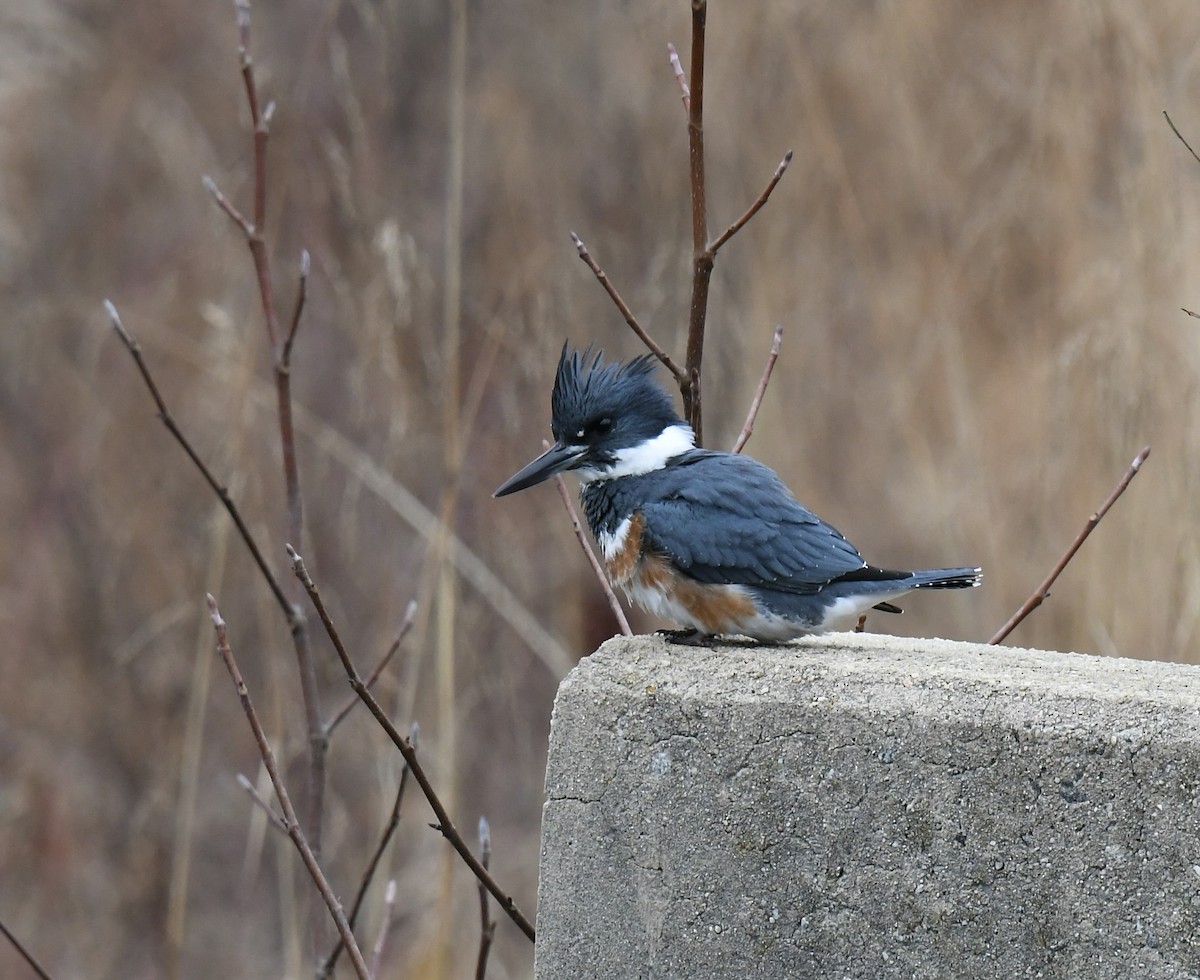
602, 427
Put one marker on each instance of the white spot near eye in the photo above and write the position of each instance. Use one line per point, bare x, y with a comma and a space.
579, 434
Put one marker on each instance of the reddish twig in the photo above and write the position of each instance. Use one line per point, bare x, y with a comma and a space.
444, 825
289, 814
389, 831
252, 230
218, 488
405, 627
1042, 592
626, 312
261, 801
861, 625
754, 208
285, 356
613, 602
702, 259
680, 77
1175, 130
27, 956
487, 925
756, 402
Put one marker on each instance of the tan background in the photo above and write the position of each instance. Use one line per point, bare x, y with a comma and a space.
979, 257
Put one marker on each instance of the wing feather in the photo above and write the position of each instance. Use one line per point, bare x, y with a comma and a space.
724, 518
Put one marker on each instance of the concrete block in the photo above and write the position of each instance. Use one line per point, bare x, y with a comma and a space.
865, 807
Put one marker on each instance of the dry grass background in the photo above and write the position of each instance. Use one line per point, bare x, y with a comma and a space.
978, 255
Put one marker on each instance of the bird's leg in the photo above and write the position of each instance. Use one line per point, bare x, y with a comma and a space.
689, 637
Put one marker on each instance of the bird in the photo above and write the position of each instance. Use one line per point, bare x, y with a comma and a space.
712, 541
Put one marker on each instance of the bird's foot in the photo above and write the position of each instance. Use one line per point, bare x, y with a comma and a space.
690, 638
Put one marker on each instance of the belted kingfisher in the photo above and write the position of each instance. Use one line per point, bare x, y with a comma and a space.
711, 540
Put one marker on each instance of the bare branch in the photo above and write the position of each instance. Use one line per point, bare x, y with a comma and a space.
754, 208
1176, 131
613, 603
702, 259
253, 232
405, 627
637, 328
275, 819
218, 488
27, 956
289, 814
487, 925
228, 206
444, 825
1189, 312
756, 403
680, 77
389, 830
285, 358
1042, 592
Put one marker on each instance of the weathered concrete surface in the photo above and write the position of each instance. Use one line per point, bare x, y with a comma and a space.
869, 807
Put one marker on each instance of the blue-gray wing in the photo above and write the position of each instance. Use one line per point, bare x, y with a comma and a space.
724, 518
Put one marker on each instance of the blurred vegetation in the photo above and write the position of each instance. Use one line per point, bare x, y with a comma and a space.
979, 257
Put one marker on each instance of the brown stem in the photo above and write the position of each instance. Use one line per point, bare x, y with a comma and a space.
253, 232
1176, 131
756, 403
680, 77
626, 312
389, 830
613, 603
218, 488
444, 825
289, 814
27, 956
702, 260
734, 228
252, 791
1042, 592
487, 925
405, 627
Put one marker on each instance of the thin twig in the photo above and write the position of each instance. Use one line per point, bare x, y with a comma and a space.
27, 956
444, 825
389, 830
254, 233
702, 259
613, 603
405, 627
626, 312
1042, 592
680, 77
1189, 312
1176, 131
275, 819
218, 488
289, 814
487, 925
756, 403
285, 356
385, 923
754, 208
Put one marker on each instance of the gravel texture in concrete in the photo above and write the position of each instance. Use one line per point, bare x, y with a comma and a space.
861, 806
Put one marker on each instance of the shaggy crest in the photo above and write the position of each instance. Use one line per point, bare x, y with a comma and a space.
586, 387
